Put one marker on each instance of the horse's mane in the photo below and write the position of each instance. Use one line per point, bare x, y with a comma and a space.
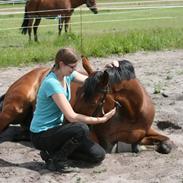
125, 71
1, 102
90, 84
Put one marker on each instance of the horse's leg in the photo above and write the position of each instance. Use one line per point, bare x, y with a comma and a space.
162, 142
5, 119
24, 135
67, 20
60, 24
30, 27
35, 27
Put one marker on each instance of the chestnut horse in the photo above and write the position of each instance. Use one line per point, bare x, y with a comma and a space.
18, 102
135, 111
63, 9
100, 93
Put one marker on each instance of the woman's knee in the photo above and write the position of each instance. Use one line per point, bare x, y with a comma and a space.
98, 153
99, 157
83, 127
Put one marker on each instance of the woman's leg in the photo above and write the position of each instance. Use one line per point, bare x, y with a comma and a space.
53, 139
62, 141
58, 143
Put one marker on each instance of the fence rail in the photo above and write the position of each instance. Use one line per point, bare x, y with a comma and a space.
120, 10
13, 2
102, 8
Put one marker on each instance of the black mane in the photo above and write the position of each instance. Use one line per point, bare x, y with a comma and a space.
125, 71
1, 101
91, 84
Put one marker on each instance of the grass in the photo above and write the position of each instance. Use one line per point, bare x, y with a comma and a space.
109, 32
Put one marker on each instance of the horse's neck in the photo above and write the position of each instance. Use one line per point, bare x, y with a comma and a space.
77, 3
130, 95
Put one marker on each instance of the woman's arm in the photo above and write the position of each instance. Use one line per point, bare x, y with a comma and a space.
80, 78
71, 116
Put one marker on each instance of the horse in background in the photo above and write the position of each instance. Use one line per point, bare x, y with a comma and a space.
63, 9
101, 92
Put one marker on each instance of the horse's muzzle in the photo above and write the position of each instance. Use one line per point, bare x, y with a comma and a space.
94, 10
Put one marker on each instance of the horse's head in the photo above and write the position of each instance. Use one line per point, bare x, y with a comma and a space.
92, 5
102, 88
91, 97
123, 85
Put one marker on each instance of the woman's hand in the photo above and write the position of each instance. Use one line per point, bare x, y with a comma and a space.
114, 63
107, 116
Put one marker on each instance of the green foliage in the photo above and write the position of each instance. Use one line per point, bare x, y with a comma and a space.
100, 35
158, 87
94, 45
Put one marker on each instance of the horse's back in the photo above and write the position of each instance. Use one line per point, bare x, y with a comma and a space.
19, 100
29, 80
23, 91
41, 5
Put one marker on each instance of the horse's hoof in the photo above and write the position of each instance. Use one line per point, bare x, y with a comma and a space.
135, 148
164, 147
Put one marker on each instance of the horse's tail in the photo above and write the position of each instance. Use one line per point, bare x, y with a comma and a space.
1, 102
25, 23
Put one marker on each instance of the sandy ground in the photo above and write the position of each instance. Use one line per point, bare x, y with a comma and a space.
161, 73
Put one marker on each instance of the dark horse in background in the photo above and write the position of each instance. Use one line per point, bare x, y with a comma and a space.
101, 92
36, 9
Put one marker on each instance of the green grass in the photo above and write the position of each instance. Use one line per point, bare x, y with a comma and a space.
109, 32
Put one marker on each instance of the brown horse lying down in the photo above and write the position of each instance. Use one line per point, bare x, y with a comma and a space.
18, 102
100, 93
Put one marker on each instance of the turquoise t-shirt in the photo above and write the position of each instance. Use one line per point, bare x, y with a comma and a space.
47, 114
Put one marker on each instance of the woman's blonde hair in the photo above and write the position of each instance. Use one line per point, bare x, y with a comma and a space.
67, 56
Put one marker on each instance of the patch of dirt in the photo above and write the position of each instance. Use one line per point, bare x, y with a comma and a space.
161, 73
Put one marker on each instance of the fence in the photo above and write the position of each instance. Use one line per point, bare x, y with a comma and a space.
13, 2
111, 12
107, 9
118, 28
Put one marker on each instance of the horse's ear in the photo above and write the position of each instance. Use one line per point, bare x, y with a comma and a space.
104, 79
86, 65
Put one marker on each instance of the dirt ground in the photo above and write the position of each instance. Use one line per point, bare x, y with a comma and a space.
162, 75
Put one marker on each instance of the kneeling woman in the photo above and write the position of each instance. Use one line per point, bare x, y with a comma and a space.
57, 141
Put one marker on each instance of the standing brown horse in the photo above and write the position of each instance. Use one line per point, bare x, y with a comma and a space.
36, 9
100, 93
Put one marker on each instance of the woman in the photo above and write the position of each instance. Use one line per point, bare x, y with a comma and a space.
57, 141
